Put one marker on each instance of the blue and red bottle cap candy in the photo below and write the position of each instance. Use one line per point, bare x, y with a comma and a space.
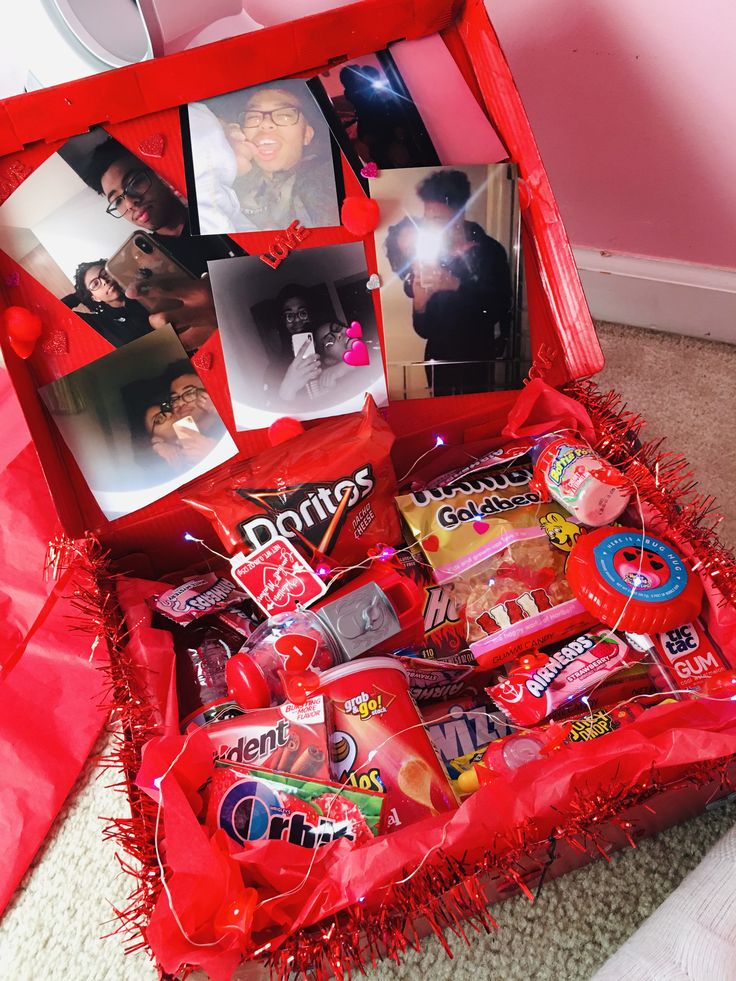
633, 581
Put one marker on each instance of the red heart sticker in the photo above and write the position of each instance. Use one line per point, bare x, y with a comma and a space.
431, 543
297, 651
480, 527
154, 146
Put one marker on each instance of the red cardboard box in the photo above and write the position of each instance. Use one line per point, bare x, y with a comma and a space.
583, 803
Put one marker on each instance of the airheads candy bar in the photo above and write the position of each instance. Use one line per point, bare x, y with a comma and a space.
289, 738
538, 684
197, 597
329, 491
256, 805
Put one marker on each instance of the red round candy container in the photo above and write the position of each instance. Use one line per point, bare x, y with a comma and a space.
633, 581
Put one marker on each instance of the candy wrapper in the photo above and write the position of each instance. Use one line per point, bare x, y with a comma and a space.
505, 553
539, 684
255, 805
197, 597
460, 727
444, 624
329, 491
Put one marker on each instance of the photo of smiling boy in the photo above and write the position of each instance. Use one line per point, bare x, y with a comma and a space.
261, 158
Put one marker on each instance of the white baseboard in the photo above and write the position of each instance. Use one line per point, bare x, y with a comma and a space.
679, 297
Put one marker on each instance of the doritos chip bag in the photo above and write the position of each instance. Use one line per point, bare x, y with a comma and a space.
329, 491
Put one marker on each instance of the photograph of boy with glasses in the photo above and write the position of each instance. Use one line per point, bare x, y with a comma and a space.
179, 397
139, 422
107, 309
261, 158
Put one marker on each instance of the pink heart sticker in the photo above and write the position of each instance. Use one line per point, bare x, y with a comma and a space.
480, 527
354, 330
369, 170
357, 355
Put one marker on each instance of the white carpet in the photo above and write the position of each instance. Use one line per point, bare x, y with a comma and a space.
684, 388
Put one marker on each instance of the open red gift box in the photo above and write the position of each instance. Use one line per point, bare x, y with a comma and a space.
538, 822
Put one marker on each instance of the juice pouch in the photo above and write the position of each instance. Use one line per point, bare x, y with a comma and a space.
504, 552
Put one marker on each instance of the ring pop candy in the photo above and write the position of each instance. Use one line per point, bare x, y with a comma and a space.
280, 661
578, 479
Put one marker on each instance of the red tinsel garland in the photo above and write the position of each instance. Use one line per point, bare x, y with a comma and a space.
446, 893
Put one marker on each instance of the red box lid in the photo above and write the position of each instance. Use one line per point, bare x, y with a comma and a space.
141, 100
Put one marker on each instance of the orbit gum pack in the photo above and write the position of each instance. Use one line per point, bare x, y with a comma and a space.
256, 805
329, 491
503, 554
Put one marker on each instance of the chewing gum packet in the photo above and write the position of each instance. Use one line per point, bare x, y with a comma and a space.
257, 805
503, 553
288, 738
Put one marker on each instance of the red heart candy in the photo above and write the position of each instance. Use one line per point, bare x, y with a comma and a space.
357, 355
360, 215
23, 328
154, 146
354, 330
431, 543
297, 651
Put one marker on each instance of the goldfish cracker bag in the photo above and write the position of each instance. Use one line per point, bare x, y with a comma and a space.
487, 534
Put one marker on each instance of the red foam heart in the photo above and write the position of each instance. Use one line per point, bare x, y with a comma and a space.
297, 651
360, 215
154, 146
203, 360
431, 543
23, 328
356, 355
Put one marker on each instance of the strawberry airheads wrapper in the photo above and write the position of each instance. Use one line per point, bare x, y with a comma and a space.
329, 491
539, 684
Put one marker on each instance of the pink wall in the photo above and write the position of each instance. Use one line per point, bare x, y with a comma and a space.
633, 104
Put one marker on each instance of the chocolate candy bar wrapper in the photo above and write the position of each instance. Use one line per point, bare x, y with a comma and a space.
504, 553
444, 623
288, 738
543, 682
256, 805
460, 727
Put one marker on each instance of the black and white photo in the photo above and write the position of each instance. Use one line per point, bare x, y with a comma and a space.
139, 422
300, 340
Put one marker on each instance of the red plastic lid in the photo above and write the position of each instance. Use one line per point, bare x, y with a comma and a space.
635, 582
245, 682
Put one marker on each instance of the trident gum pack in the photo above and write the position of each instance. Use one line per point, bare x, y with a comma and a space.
288, 738
329, 491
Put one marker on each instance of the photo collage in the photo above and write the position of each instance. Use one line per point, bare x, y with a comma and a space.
156, 273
